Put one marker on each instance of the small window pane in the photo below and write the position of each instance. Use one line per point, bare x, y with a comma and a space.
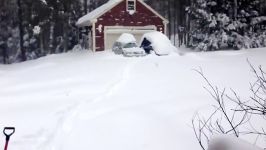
130, 5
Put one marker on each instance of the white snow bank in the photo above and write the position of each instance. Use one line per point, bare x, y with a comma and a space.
101, 101
88, 19
160, 43
126, 38
226, 142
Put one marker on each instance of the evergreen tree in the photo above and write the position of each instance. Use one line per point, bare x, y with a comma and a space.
229, 24
48, 26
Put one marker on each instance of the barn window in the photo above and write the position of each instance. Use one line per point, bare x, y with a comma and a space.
131, 6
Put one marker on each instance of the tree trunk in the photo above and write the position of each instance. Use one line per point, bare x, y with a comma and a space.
41, 36
188, 26
66, 26
51, 38
235, 9
85, 6
21, 33
169, 18
65, 37
175, 20
4, 52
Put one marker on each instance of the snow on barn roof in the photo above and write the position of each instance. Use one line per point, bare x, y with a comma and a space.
92, 16
126, 38
88, 19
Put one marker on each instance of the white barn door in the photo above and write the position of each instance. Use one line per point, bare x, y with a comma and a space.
112, 33
110, 39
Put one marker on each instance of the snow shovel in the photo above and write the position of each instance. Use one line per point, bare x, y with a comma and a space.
8, 131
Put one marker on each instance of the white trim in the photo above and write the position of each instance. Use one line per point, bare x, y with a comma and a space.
134, 6
93, 38
165, 27
94, 20
126, 29
133, 27
104, 38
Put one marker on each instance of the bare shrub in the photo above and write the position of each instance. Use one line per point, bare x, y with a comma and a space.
232, 115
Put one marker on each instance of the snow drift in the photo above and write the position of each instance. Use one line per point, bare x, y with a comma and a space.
160, 43
99, 101
126, 38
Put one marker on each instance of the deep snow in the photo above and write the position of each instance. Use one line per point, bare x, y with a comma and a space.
126, 38
101, 101
160, 43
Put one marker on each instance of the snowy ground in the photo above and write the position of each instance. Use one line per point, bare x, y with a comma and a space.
99, 101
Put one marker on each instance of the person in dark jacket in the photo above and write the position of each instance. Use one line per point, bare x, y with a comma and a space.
146, 45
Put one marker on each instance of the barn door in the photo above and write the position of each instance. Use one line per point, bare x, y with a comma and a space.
112, 33
110, 40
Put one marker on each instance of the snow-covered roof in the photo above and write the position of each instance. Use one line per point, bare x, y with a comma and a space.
88, 19
92, 16
126, 38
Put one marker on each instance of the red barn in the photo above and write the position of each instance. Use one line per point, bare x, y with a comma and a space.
110, 20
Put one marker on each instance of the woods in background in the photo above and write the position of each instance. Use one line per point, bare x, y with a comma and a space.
226, 24
174, 11
207, 25
34, 28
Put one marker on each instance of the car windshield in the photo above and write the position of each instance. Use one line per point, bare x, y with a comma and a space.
130, 45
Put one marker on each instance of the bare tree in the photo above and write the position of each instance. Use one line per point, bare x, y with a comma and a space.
257, 103
230, 112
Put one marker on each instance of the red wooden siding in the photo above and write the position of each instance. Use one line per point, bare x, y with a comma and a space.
118, 16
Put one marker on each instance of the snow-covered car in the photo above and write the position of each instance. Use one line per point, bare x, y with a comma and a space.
131, 49
126, 45
157, 42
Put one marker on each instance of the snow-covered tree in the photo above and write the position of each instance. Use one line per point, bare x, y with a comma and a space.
224, 24
37, 25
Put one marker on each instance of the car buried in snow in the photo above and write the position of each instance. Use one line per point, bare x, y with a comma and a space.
157, 42
127, 46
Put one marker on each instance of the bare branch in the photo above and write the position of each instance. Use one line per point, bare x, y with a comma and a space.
232, 117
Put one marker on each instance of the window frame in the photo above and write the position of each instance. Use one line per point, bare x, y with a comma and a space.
134, 10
